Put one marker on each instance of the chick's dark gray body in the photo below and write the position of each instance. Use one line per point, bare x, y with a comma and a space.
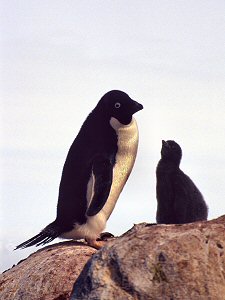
179, 200
91, 179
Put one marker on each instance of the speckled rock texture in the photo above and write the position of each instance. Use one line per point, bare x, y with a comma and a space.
163, 262
48, 274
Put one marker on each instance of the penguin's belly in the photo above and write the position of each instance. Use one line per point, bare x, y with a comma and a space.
125, 158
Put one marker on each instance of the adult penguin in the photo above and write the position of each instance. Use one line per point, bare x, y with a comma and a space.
96, 169
179, 200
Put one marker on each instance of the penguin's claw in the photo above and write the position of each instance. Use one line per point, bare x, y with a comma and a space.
95, 244
105, 236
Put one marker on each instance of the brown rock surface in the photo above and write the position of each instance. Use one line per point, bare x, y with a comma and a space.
163, 262
47, 274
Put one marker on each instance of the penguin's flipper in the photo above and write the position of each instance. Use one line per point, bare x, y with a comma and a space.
186, 193
103, 174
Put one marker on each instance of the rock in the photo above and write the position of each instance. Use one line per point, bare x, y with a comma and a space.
169, 262
47, 274
163, 262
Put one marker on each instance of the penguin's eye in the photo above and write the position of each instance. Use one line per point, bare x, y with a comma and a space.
117, 105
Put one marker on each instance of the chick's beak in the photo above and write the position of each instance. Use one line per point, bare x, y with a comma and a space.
164, 143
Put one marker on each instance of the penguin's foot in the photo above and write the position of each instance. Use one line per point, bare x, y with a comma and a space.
150, 224
105, 236
95, 244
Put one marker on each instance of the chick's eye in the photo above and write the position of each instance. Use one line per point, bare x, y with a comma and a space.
117, 105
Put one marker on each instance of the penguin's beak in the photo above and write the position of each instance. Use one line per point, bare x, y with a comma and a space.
165, 148
164, 143
136, 106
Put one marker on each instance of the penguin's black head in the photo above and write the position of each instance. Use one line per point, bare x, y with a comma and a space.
119, 105
171, 151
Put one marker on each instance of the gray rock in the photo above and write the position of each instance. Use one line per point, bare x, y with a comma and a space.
163, 262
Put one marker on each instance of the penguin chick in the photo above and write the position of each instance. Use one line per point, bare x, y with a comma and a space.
96, 169
179, 200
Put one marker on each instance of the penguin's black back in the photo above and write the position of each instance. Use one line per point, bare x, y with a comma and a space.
95, 138
179, 200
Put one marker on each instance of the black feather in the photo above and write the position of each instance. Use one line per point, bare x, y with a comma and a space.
179, 200
103, 173
47, 235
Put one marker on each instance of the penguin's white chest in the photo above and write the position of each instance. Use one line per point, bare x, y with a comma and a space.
125, 158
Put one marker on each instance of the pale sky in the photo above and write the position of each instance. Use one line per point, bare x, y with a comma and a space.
57, 60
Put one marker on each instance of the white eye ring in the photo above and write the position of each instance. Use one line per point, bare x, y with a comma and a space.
117, 105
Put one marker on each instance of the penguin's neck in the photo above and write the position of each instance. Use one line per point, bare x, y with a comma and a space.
167, 165
98, 130
116, 125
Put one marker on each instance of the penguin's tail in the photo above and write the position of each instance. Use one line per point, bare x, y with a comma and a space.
48, 234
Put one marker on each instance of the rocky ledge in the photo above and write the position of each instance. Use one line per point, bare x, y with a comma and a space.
169, 262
